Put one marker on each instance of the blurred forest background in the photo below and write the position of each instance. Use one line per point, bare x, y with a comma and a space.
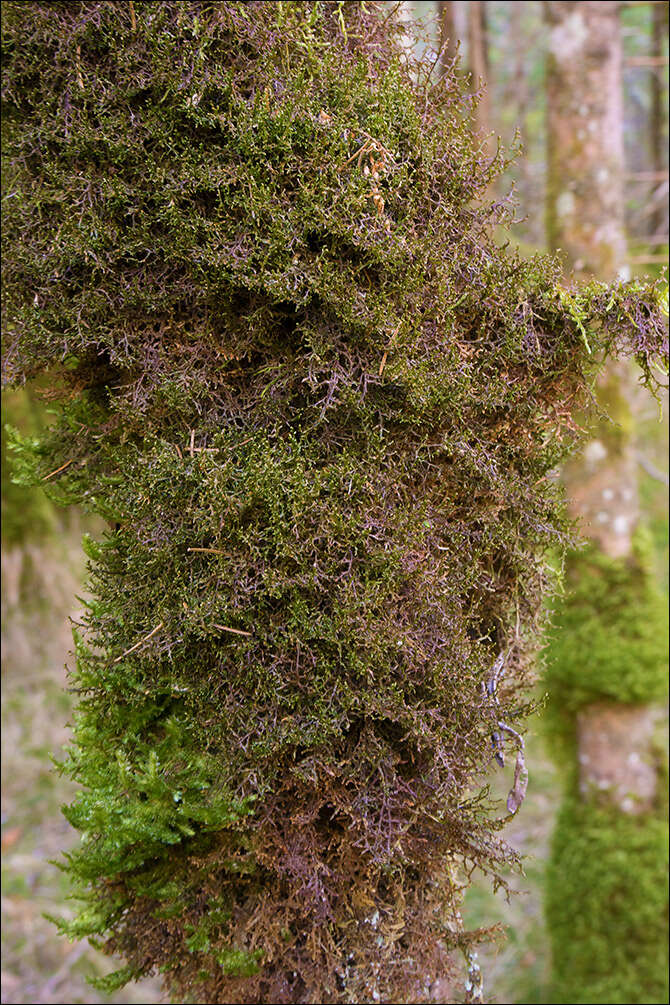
503, 52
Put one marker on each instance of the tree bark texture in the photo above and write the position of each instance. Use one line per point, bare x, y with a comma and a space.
448, 34
658, 117
585, 156
608, 934
479, 67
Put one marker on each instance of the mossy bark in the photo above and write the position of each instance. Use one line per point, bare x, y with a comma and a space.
606, 658
606, 898
316, 404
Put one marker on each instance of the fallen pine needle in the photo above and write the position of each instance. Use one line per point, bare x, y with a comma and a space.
235, 631
61, 468
138, 644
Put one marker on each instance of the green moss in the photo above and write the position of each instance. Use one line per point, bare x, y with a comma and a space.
610, 631
607, 906
317, 404
617, 427
606, 883
27, 514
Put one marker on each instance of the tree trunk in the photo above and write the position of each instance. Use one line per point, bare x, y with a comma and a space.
607, 657
518, 94
585, 155
479, 67
658, 114
448, 34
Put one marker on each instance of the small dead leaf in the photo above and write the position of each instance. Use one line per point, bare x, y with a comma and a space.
520, 784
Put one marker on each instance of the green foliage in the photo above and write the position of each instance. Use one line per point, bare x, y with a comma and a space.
110, 983
317, 405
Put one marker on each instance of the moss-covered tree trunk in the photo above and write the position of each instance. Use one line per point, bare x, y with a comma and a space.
606, 892
317, 405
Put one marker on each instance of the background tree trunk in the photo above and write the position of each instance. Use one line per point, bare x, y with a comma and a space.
448, 35
585, 153
606, 660
658, 115
479, 66
518, 93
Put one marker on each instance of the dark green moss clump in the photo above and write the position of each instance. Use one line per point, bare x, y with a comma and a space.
607, 906
614, 613
27, 514
317, 405
606, 884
